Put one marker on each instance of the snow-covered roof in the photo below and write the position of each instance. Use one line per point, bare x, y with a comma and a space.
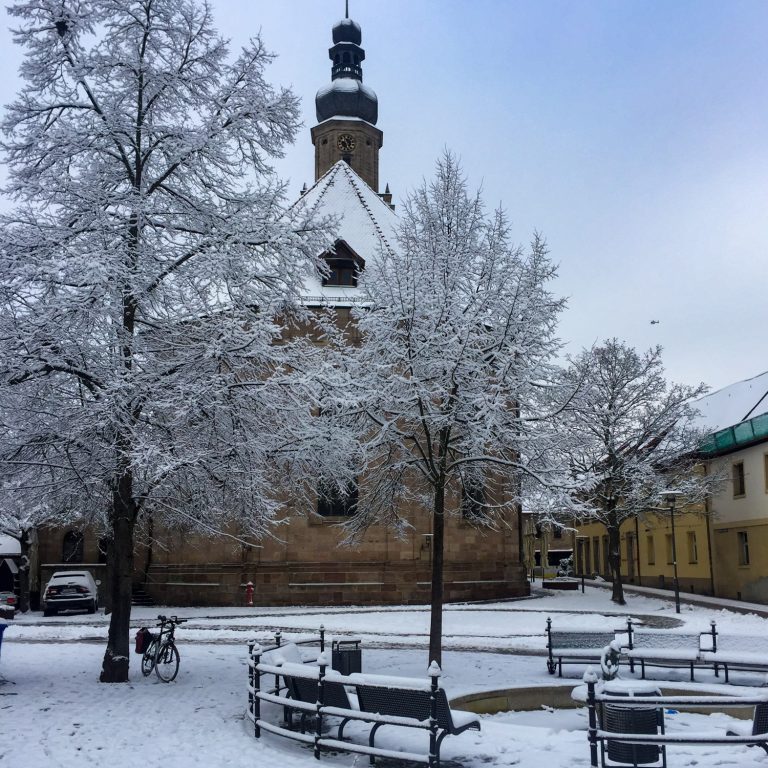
9, 546
365, 222
733, 404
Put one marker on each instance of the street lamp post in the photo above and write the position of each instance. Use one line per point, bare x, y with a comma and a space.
676, 583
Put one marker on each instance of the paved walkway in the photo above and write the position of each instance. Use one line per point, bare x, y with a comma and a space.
739, 606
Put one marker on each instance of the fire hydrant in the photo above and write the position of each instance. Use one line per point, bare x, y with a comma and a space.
249, 594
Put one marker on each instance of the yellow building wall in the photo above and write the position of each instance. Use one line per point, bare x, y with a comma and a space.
739, 517
646, 551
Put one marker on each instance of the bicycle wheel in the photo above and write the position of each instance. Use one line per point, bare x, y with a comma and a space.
167, 662
148, 659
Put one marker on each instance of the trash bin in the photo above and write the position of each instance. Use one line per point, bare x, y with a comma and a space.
346, 656
622, 719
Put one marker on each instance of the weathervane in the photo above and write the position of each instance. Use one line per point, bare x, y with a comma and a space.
346, 9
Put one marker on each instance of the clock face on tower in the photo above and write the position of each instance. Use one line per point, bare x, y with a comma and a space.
346, 143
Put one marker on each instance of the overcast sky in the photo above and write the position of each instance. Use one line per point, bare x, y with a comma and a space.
632, 134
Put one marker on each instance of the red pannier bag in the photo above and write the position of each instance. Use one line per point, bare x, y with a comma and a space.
143, 637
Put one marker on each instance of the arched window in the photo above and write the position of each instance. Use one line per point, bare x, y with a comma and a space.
72, 547
473, 500
332, 502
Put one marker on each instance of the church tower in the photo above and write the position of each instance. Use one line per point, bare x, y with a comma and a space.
347, 110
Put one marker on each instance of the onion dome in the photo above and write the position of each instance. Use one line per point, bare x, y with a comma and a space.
347, 98
347, 31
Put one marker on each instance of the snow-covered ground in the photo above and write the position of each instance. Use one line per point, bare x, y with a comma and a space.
54, 712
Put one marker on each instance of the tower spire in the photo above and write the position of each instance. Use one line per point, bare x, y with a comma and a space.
347, 110
343, 97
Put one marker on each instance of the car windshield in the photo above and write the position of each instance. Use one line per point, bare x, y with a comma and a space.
67, 576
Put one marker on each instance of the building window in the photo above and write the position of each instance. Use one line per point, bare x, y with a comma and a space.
331, 502
630, 555
743, 540
649, 545
765, 471
738, 479
473, 501
670, 550
72, 547
341, 271
693, 551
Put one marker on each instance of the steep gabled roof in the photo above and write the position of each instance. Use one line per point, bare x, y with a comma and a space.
365, 222
733, 404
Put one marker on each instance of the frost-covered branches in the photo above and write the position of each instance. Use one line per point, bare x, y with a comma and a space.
149, 253
147, 271
457, 342
449, 383
632, 438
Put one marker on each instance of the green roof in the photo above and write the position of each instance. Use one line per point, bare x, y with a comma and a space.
738, 436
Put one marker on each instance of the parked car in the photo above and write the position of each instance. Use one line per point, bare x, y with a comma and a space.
70, 589
9, 604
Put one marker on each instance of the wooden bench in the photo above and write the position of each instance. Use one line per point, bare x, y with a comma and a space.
734, 652
302, 688
599, 736
378, 695
318, 693
574, 647
662, 648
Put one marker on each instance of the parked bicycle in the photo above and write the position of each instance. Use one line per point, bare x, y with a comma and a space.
160, 652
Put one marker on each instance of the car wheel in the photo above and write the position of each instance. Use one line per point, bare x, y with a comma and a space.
49, 612
92, 607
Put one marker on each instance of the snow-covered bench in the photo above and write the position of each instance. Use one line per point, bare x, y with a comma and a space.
574, 647
663, 648
735, 652
600, 737
318, 693
297, 652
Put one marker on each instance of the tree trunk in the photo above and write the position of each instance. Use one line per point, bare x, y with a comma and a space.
114, 667
438, 538
614, 560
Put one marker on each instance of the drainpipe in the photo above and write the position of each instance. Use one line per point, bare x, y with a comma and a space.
708, 516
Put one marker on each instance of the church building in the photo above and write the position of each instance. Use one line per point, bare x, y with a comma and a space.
306, 565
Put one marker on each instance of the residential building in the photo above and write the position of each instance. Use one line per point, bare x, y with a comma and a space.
738, 447
721, 547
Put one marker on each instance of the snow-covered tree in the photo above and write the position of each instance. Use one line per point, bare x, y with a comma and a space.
631, 440
448, 384
146, 271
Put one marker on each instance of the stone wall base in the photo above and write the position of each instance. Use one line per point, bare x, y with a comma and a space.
283, 584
